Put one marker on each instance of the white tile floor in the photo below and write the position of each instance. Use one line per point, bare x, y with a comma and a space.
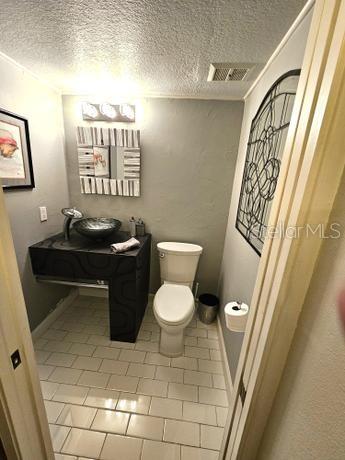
107, 400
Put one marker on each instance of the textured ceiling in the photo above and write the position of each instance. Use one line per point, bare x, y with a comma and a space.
143, 47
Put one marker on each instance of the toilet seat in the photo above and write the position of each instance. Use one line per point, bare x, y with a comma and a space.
174, 304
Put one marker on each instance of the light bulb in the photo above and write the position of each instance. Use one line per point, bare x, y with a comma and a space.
108, 110
127, 111
89, 110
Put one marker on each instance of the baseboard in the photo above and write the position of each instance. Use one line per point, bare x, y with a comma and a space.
94, 292
59, 309
226, 367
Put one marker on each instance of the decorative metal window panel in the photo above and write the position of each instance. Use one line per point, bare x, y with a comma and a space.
109, 161
264, 152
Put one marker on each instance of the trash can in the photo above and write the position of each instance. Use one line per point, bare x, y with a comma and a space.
208, 308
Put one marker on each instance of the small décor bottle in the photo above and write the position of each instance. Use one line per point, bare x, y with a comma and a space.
140, 227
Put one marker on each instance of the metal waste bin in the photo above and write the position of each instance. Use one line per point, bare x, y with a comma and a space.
208, 308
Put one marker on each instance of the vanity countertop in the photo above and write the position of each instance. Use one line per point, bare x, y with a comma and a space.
79, 243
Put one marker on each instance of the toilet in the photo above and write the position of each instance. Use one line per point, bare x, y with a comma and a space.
173, 304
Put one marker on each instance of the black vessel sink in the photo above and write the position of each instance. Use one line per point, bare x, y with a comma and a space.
97, 228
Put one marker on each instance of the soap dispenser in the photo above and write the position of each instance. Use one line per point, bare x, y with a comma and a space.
132, 227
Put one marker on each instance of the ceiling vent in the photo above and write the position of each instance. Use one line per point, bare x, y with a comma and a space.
228, 71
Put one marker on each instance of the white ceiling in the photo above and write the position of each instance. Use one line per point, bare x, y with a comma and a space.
143, 47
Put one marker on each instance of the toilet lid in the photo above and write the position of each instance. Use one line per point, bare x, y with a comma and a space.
174, 303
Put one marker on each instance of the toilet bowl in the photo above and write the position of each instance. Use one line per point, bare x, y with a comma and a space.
173, 307
173, 304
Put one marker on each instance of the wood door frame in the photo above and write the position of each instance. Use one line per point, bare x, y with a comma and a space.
23, 425
312, 168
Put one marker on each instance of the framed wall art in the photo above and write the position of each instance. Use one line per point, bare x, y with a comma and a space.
265, 147
15, 154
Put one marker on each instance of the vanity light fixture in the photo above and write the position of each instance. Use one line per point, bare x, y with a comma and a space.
124, 113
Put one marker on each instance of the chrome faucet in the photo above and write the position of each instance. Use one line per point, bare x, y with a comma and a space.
69, 213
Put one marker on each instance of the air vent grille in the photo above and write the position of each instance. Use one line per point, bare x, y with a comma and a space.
237, 74
227, 72
220, 75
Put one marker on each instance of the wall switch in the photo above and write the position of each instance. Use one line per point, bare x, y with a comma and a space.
43, 213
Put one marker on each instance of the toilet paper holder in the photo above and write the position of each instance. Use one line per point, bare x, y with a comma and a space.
238, 306
236, 313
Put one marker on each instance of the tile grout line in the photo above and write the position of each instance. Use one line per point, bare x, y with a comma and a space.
100, 452
199, 387
144, 362
64, 442
213, 387
139, 437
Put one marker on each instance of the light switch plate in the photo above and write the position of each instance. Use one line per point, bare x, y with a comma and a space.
43, 213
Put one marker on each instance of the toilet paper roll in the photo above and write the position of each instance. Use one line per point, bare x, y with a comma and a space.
236, 314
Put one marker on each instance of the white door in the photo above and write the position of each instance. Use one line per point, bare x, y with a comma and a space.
312, 166
24, 428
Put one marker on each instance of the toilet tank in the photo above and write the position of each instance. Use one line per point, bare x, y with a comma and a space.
178, 262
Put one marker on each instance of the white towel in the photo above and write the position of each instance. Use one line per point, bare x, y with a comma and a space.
122, 247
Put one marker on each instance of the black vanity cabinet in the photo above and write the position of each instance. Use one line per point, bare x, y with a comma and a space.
81, 260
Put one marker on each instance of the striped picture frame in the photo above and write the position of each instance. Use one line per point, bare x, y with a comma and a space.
121, 157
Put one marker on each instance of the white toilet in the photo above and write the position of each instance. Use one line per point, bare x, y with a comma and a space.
173, 304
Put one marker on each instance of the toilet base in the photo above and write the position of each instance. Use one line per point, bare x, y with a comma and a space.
171, 345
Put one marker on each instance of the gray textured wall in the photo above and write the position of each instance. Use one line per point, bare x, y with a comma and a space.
22, 94
240, 261
189, 150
